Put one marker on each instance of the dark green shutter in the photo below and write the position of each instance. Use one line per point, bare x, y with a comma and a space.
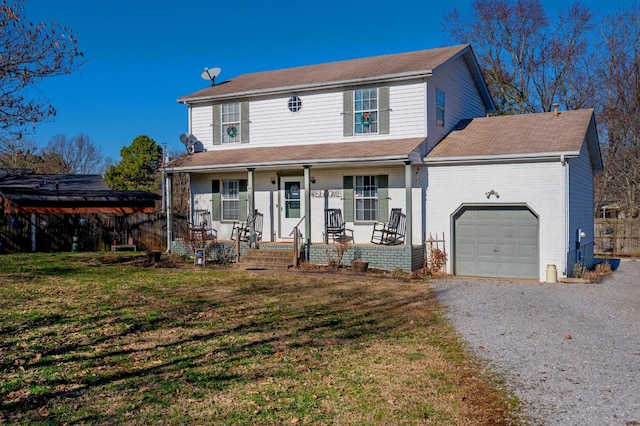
347, 188
244, 122
383, 198
217, 133
383, 111
215, 200
347, 113
244, 201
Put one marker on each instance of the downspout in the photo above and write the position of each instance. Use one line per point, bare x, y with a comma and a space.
408, 238
252, 211
565, 202
307, 211
169, 188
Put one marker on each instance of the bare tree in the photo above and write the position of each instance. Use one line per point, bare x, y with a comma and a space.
529, 62
79, 154
620, 110
180, 194
29, 53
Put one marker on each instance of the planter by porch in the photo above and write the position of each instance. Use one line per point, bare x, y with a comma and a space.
153, 256
359, 265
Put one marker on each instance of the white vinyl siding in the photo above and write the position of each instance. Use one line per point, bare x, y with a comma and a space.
201, 125
581, 201
462, 99
319, 121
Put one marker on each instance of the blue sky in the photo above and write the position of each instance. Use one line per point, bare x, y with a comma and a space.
141, 56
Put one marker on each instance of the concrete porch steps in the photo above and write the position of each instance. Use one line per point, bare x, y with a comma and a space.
266, 259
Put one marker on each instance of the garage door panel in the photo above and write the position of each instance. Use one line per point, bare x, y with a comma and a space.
497, 242
466, 249
527, 270
507, 269
486, 250
484, 215
507, 250
506, 215
529, 232
467, 231
486, 231
529, 251
485, 269
466, 267
506, 231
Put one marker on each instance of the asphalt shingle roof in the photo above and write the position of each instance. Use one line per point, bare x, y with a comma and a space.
516, 134
396, 149
422, 61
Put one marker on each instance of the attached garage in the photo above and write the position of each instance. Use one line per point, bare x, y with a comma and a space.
496, 241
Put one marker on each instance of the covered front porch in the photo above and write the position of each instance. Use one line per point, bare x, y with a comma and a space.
290, 194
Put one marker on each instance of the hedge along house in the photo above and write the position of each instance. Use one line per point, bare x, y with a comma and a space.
354, 135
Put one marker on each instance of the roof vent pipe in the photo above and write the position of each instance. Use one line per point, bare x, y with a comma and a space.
555, 109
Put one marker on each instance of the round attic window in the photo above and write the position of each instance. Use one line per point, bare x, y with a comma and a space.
295, 104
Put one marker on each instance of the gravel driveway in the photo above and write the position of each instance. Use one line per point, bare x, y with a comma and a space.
571, 352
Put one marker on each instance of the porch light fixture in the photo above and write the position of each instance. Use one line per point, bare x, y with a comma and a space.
492, 192
273, 180
313, 179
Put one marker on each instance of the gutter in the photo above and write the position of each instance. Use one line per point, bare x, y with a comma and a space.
510, 158
413, 157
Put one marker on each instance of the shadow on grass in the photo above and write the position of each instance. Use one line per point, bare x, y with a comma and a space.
202, 344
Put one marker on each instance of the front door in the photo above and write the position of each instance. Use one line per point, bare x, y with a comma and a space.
291, 206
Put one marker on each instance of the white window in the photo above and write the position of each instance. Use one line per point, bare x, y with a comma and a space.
365, 108
231, 122
366, 198
439, 107
230, 200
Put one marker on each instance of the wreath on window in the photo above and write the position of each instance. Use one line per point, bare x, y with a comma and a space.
232, 130
366, 118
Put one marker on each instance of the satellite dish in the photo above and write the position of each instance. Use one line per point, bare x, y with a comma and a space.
191, 140
184, 137
211, 74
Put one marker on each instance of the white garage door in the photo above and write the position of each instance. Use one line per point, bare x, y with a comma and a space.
496, 242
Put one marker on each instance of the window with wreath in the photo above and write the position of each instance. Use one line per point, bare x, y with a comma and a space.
230, 121
439, 107
365, 108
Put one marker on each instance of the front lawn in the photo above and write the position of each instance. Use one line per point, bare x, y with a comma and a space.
108, 339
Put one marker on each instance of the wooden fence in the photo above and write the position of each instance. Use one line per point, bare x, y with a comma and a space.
617, 237
94, 232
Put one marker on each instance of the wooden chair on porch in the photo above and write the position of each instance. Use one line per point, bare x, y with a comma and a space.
391, 232
244, 228
200, 228
334, 225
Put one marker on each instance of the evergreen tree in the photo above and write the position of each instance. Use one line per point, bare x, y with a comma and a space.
139, 167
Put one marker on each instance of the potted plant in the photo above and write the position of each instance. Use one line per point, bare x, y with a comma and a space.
358, 264
152, 244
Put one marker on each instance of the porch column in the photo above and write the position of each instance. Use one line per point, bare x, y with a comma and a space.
169, 209
252, 209
307, 210
407, 185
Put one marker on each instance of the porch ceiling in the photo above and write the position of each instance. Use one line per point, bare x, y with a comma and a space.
327, 154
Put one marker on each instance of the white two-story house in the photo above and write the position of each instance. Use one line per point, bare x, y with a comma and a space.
405, 131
